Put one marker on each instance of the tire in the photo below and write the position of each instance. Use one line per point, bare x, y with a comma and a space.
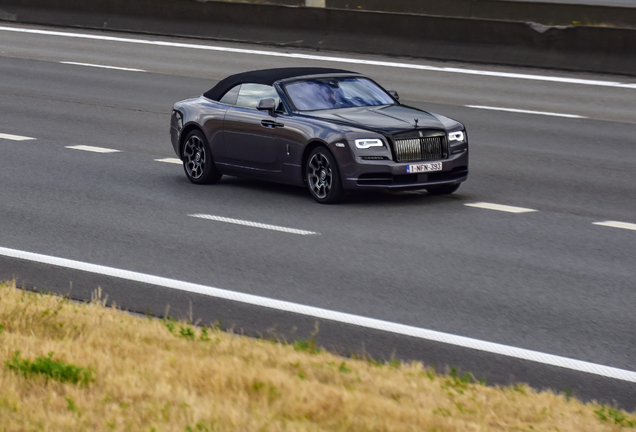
442, 190
197, 159
322, 176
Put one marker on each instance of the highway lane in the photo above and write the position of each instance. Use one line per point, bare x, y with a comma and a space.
549, 280
430, 86
619, 3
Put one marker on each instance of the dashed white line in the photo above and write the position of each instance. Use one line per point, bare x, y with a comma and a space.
324, 58
617, 224
254, 224
335, 316
15, 137
103, 66
93, 149
500, 207
513, 110
170, 160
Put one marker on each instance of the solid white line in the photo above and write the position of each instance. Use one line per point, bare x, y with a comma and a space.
92, 149
499, 207
254, 224
315, 312
15, 137
323, 58
103, 66
616, 224
170, 160
525, 111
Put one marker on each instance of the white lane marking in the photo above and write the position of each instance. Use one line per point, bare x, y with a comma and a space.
254, 224
499, 207
341, 317
170, 160
617, 224
525, 111
103, 66
323, 58
15, 137
92, 149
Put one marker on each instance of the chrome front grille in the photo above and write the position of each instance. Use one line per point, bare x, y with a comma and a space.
421, 149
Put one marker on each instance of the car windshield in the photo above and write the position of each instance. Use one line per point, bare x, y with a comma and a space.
330, 93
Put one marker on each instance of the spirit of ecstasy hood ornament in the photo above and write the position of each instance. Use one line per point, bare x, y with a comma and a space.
416, 120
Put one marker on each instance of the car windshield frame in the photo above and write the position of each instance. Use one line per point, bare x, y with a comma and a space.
334, 92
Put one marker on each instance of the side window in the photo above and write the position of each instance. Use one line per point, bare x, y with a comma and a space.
251, 94
231, 96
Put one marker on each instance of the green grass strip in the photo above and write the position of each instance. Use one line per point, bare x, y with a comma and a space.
46, 366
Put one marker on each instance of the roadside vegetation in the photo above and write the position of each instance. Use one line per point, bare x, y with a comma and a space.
66, 366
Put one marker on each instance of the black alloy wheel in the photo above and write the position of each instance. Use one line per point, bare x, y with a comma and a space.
323, 178
197, 159
443, 189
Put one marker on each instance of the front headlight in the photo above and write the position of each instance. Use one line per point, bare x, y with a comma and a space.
457, 136
366, 143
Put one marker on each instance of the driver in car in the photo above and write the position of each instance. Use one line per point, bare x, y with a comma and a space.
332, 98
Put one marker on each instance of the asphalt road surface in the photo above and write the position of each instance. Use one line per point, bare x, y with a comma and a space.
542, 274
620, 3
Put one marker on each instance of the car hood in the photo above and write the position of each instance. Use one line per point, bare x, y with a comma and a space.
385, 119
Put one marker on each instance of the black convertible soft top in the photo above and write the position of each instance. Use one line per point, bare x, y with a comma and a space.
264, 76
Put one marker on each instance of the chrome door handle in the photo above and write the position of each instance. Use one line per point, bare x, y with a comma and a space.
271, 124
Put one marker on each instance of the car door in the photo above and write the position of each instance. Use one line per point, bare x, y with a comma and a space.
249, 134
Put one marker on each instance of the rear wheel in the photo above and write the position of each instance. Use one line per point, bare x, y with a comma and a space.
442, 190
197, 159
323, 177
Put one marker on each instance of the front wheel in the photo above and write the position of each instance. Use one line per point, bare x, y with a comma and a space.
197, 159
323, 177
443, 189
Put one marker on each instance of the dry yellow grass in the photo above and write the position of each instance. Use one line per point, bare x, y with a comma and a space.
147, 378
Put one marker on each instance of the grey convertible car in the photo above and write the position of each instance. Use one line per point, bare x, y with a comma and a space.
331, 130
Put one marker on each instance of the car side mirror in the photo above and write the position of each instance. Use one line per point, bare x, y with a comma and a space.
268, 105
395, 94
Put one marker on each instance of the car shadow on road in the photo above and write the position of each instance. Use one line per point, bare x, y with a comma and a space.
418, 198
375, 198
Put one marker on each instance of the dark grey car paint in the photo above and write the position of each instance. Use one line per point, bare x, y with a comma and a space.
253, 142
249, 142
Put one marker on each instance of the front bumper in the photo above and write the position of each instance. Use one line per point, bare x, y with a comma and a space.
361, 174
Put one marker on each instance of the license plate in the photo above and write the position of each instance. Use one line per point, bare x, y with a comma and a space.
420, 168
